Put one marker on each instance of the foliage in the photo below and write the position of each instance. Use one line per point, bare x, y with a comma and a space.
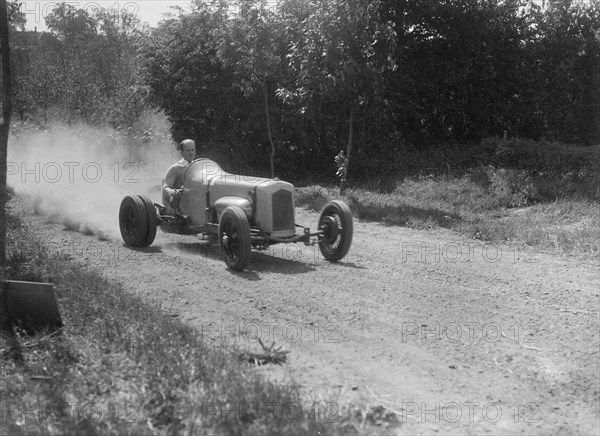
415, 75
567, 70
188, 81
484, 210
248, 44
404, 85
16, 17
342, 166
85, 69
511, 188
338, 61
538, 156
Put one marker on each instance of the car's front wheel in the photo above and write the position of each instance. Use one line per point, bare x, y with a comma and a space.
335, 223
234, 238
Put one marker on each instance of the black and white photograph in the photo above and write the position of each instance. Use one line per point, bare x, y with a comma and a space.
299, 217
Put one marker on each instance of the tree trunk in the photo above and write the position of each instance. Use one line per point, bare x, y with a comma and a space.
264, 86
5, 91
348, 151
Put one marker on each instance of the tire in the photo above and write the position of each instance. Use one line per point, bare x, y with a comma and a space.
234, 238
152, 221
336, 223
133, 221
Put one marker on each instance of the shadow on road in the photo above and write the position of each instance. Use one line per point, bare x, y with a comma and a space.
349, 265
260, 262
267, 262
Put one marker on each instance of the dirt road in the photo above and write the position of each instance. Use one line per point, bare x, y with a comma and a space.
456, 336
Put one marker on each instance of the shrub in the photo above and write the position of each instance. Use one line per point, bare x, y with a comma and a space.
510, 188
313, 197
537, 156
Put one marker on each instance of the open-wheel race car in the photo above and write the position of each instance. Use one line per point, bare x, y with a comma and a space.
240, 212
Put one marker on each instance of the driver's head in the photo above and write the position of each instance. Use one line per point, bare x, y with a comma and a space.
187, 147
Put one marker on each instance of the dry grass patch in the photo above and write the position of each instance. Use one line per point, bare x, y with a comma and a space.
489, 204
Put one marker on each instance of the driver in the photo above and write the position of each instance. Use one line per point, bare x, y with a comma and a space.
173, 186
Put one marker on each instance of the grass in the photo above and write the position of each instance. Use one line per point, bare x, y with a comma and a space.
550, 213
120, 366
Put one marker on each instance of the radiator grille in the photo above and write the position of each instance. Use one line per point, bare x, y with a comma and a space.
283, 210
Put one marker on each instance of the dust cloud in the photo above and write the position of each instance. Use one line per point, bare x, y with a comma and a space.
78, 175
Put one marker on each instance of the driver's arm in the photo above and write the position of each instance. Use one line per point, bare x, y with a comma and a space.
170, 188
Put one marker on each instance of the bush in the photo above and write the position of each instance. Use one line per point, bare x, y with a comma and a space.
510, 188
537, 156
10, 192
313, 197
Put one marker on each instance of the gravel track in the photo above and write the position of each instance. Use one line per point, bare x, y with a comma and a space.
457, 336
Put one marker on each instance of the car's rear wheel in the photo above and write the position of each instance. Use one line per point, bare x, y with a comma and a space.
234, 238
152, 221
336, 224
133, 221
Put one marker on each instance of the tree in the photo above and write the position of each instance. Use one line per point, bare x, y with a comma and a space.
460, 67
76, 31
184, 75
6, 97
383, 76
36, 74
248, 44
87, 68
339, 61
567, 54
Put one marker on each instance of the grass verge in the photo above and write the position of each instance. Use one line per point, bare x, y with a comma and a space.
500, 206
120, 366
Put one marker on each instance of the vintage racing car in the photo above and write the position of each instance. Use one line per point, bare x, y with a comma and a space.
241, 212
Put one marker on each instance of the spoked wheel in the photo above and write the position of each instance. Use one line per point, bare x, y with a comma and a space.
234, 238
336, 224
137, 221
